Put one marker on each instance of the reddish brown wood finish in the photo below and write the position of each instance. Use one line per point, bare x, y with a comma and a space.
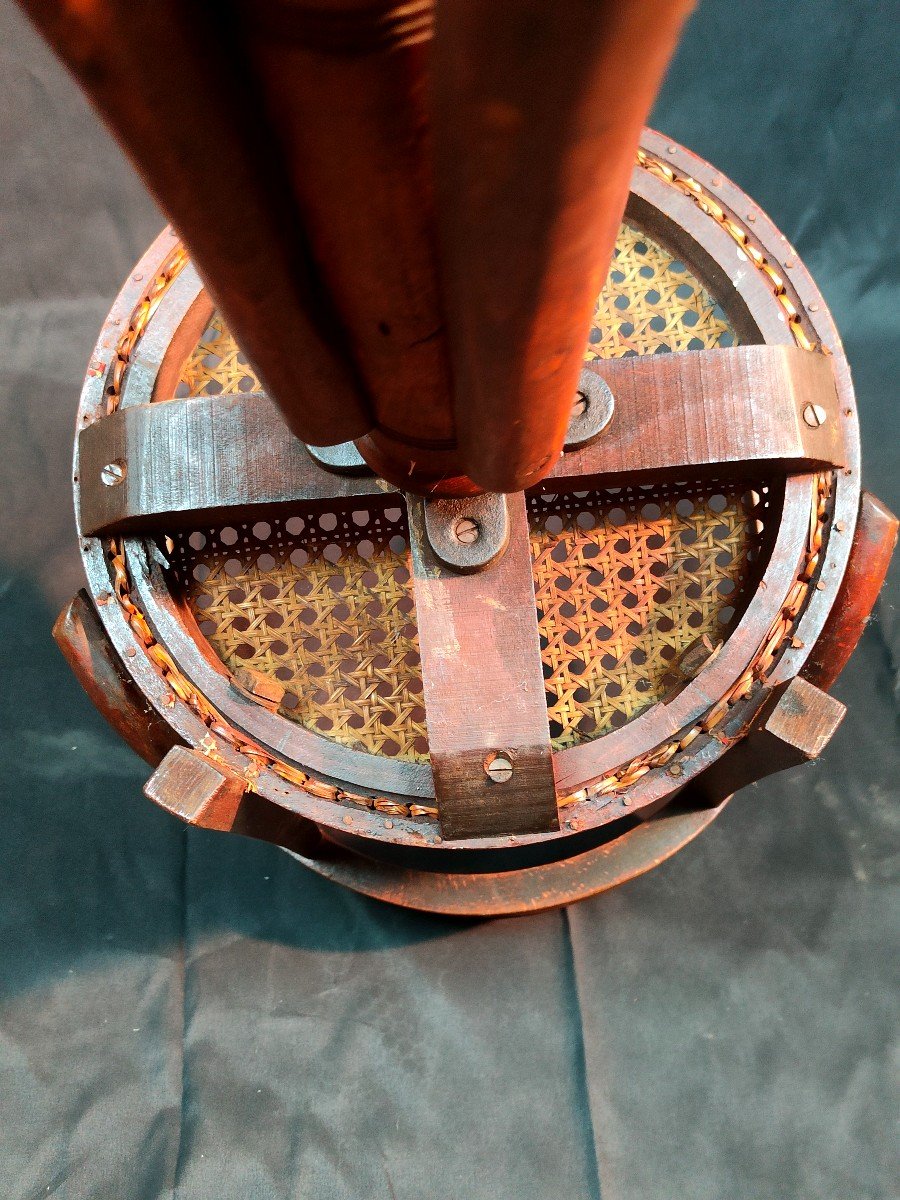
873, 544
527, 889
186, 110
209, 795
207, 457
346, 88
373, 833
195, 789
793, 725
741, 407
484, 687
100, 671
534, 140
762, 317
176, 628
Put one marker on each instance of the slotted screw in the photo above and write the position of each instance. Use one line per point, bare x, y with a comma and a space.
498, 768
113, 473
466, 531
814, 415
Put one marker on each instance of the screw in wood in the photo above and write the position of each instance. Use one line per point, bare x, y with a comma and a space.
113, 473
466, 531
498, 767
814, 415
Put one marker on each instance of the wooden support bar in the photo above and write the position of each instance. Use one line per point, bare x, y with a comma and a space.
793, 726
177, 462
97, 667
488, 732
873, 544
207, 794
194, 788
765, 405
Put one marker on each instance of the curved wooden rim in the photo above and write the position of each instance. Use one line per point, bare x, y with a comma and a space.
752, 300
528, 889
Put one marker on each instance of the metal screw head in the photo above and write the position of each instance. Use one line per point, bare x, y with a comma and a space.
466, 530
498, 767
592, 410
113, 473
814, 415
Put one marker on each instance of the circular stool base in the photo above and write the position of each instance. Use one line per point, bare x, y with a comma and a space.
528, 890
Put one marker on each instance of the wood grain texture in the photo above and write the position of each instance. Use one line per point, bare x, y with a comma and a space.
186, 460
98, 668
484, 687
175, 88
209, 795
520, 890
190, 786
534, 144
792, 726
874, 540
713, 408
346, 87
257, 685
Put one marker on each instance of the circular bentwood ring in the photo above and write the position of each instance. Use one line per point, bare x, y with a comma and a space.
309, 656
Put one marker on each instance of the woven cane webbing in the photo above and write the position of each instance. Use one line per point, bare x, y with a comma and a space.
625, 580
652, 304
217, 366
322, 601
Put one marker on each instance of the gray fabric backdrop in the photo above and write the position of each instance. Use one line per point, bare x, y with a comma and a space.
190, 1015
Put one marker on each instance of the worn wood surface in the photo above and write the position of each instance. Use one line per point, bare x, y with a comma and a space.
873, 545
362, 179
176, 628
257, 685
98, 668
793, 726
208, 794
185, 460
207, 457
762, 317
723, 408
484, 687
526, 889
199, 791
319, 235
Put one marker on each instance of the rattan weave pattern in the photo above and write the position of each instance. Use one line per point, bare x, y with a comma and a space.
322, 601
651, 303
217, 365
625, 581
